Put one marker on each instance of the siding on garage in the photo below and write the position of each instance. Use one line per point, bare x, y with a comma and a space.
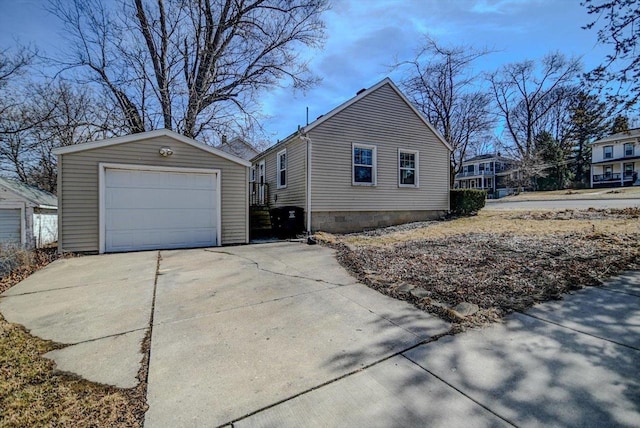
78, 181
10, 225
295, 192
381, 118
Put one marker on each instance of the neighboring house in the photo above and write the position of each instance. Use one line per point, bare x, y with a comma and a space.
151, 190
615, 160
490, 172
28, 215
238, 147
373, 161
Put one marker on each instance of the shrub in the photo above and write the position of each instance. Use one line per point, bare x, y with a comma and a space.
17, 263
467, 201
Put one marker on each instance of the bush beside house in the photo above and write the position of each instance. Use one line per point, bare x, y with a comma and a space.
467, 201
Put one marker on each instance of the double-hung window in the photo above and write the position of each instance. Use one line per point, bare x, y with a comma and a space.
407, 168
628, 149
363, 165
281, 159
608, 152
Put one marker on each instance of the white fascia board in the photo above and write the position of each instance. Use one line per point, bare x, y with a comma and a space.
148, 135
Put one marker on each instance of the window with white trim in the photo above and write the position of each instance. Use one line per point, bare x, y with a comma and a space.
252, 174
364, 165
628, 149
608, 152
281, 159
407, 168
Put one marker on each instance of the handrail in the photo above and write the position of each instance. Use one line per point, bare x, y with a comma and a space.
258, 194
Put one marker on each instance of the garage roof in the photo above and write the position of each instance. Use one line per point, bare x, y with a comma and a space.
148, 135
38, 197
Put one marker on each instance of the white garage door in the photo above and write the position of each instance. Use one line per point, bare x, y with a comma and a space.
10, 226
147, 210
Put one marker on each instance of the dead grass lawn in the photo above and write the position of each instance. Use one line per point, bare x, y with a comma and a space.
500, 261
609, 193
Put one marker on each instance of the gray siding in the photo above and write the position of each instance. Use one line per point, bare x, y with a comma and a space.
383, 119
295, 192
10, 226
78, 198
11, 200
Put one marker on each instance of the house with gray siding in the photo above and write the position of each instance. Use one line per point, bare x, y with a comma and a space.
28, 215
152, 190
373, 161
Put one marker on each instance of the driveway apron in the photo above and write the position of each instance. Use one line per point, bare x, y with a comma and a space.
239, 329
98, 305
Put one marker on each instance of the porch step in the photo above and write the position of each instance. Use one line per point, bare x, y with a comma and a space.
259, 219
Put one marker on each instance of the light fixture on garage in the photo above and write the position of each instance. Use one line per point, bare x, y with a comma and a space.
166, 152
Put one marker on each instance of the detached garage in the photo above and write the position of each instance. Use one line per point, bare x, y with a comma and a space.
28, 215
153, 190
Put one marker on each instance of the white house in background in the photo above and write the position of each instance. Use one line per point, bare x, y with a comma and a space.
238, 147
490, 172
615, 160
28, 215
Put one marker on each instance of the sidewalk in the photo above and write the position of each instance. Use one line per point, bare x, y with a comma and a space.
568, 363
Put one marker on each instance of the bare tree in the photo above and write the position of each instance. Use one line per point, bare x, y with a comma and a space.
618, 77
59, 115
441, 84
196, 65
13, 67
526, 96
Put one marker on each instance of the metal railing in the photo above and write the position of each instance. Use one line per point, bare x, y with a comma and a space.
258, 194
613, 176
474, 173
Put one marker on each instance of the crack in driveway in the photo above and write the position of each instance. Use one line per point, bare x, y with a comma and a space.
260, 268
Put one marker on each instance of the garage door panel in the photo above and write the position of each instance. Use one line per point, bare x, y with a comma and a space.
10, 226
159, 209
123, 219
127, 240
145, 198
155, 179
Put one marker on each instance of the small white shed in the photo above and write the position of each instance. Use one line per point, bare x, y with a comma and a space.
28, 215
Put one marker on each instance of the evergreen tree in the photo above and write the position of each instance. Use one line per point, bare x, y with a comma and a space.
554, 157
588, 122
620, 124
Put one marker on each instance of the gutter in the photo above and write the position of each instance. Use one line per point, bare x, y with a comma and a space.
308, 141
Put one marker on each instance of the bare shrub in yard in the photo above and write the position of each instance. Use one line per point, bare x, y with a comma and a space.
17, 263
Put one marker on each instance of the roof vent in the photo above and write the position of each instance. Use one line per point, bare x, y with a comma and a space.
361, 91
319, 116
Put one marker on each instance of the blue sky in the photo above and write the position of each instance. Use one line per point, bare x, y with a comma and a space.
365, 37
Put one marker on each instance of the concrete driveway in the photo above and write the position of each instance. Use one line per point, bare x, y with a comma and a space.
280, 335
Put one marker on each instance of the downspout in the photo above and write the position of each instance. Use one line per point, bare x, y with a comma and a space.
308, 141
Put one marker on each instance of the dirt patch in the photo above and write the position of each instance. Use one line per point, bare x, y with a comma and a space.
500, 272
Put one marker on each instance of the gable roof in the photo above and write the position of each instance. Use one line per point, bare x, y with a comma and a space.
147, 135
486, 156
360, 95
238, 147
631, 133
34, 195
